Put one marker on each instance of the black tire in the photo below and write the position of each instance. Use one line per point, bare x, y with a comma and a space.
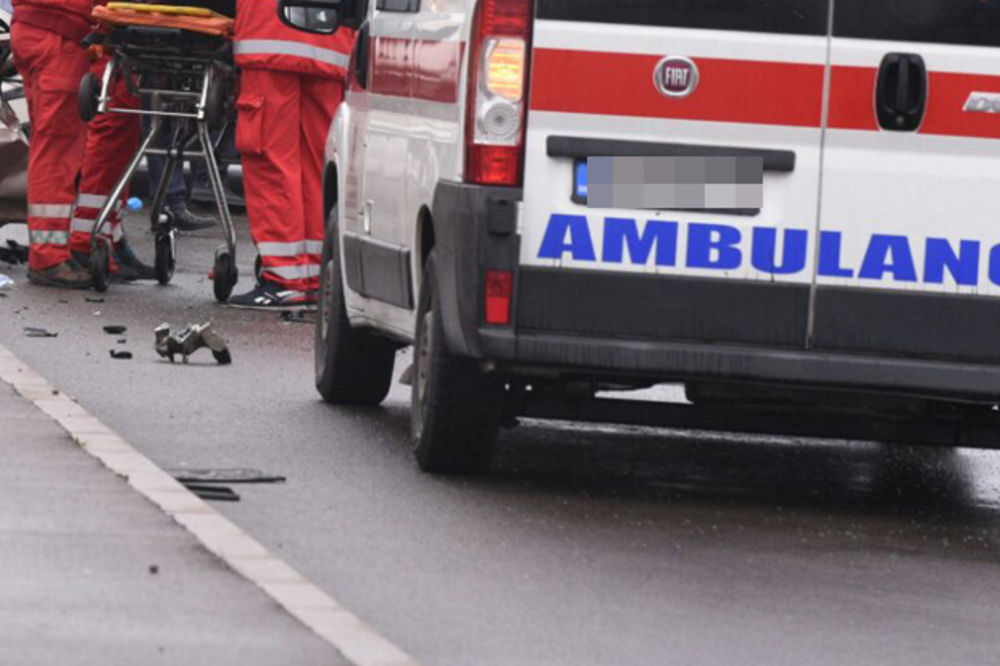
165, 259
215, 104
100, 267
225, 275
353, 366
87, 96
455, 407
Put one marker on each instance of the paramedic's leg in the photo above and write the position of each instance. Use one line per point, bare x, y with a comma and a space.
267, 135
320, 98
52, 67
177, 191
112, 140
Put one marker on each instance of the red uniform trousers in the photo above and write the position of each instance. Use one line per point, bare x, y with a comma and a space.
52, 66
112, 140
281, 132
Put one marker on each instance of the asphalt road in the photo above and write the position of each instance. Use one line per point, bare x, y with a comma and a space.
586, 545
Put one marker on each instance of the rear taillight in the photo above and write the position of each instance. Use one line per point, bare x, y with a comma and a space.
499, 292
498, 89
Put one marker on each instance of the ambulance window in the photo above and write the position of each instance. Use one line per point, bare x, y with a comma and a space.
975, 22
801, 17
398, 5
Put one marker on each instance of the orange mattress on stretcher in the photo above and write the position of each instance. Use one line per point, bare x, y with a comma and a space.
194, 19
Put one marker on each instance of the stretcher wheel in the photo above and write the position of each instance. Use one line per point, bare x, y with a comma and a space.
88, 96
225, 274
100, 267
215, 105
165, 257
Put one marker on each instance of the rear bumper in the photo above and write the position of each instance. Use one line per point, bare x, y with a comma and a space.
585, 324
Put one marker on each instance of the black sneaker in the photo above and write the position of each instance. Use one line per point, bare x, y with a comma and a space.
271, 296
128, 267
185, 220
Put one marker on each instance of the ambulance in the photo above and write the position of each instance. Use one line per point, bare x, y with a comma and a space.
864, 282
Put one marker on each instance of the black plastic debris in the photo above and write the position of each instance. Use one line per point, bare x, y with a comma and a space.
232, 475
115, 329
36, 332
122, 341
14, 253
213, 492
190, 340
120, 354
300, 317
93, 299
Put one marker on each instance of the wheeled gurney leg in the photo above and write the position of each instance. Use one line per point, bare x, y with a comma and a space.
100, 245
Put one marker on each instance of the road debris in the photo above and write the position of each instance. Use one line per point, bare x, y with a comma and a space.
300, 317
14, 253
6, 282
93, 299
213, 492
190, 340
36, 332
115, 329
230, 475
120, 354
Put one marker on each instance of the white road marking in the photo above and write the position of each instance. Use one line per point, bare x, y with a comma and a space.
356, 641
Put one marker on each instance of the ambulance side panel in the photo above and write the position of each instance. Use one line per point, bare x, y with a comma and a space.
909, 260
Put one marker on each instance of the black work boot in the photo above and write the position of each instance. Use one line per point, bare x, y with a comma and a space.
185, 220
128, 267
67, 275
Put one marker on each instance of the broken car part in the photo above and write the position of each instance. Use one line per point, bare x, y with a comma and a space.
189, 340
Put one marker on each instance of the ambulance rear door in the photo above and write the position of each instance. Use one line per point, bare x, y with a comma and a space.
908, 258
683, 78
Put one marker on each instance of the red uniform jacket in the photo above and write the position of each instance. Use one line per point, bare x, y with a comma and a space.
262, 41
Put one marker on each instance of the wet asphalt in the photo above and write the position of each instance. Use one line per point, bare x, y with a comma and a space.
585, 545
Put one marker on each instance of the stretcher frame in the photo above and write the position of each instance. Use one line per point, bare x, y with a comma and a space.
188, 86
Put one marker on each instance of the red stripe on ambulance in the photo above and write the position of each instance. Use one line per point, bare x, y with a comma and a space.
621, 84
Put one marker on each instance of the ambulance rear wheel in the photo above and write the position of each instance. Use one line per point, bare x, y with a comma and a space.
100, 267
165, 258
353, 366
225, 275
87, 96
455, 408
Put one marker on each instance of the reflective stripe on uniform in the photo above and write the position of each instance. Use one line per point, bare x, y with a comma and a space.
57, 211
91, 200
294, 272
269, 249
290, 48
45, 237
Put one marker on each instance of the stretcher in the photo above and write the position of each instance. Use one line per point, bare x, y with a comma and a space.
179, 61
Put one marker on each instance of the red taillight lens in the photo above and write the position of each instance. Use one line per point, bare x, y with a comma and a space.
498, 85
499, 292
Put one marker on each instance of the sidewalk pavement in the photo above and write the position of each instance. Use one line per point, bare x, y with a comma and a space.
93, 573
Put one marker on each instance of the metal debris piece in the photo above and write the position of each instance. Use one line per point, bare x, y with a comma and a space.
211, 492
120, 354
36, 332
190, 340
234, 475
115, 329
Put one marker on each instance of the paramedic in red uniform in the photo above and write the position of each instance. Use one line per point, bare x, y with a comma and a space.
291, 84
45, 37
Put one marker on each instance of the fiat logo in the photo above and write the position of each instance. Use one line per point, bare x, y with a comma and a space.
676, 76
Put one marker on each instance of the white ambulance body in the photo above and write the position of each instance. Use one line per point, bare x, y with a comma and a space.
458, 219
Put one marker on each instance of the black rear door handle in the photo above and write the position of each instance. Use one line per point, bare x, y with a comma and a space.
901, 92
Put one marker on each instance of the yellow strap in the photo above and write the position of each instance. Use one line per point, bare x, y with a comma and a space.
200, 12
